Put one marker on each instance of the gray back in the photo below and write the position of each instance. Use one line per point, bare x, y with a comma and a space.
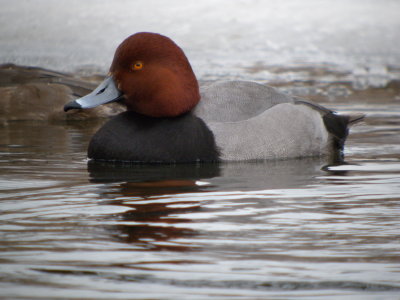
232, 101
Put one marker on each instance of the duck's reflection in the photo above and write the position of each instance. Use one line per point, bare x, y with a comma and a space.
150, 192
161, 199
145, 174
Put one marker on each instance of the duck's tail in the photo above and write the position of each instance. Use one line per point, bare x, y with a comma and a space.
353, 119
337, 125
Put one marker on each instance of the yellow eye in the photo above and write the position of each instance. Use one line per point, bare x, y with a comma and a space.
137, 66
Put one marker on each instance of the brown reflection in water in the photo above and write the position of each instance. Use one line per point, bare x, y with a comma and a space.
150, 222
29, 140
148, 211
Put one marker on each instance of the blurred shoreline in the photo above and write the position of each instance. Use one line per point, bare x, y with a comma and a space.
45, 91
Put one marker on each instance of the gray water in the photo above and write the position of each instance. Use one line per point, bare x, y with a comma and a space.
296, 229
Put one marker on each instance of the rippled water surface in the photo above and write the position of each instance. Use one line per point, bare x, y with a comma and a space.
303, 229
283, 229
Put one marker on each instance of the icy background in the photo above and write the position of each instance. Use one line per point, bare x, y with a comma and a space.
223, 39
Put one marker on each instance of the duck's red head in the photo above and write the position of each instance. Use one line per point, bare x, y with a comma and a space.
154, 76
151, 75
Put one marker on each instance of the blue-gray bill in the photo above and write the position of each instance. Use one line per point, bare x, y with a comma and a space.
106, 92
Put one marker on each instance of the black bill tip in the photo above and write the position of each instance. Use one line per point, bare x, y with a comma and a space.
72, 105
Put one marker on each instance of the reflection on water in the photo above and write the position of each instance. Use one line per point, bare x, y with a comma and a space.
149, 219
155, 195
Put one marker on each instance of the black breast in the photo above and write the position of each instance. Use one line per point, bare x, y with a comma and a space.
137, 138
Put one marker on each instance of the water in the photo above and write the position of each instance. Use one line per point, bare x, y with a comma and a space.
297, 229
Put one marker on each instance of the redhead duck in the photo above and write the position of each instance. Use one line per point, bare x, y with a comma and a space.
166, 122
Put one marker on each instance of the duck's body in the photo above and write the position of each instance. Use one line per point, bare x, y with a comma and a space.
258, 122
170, 120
